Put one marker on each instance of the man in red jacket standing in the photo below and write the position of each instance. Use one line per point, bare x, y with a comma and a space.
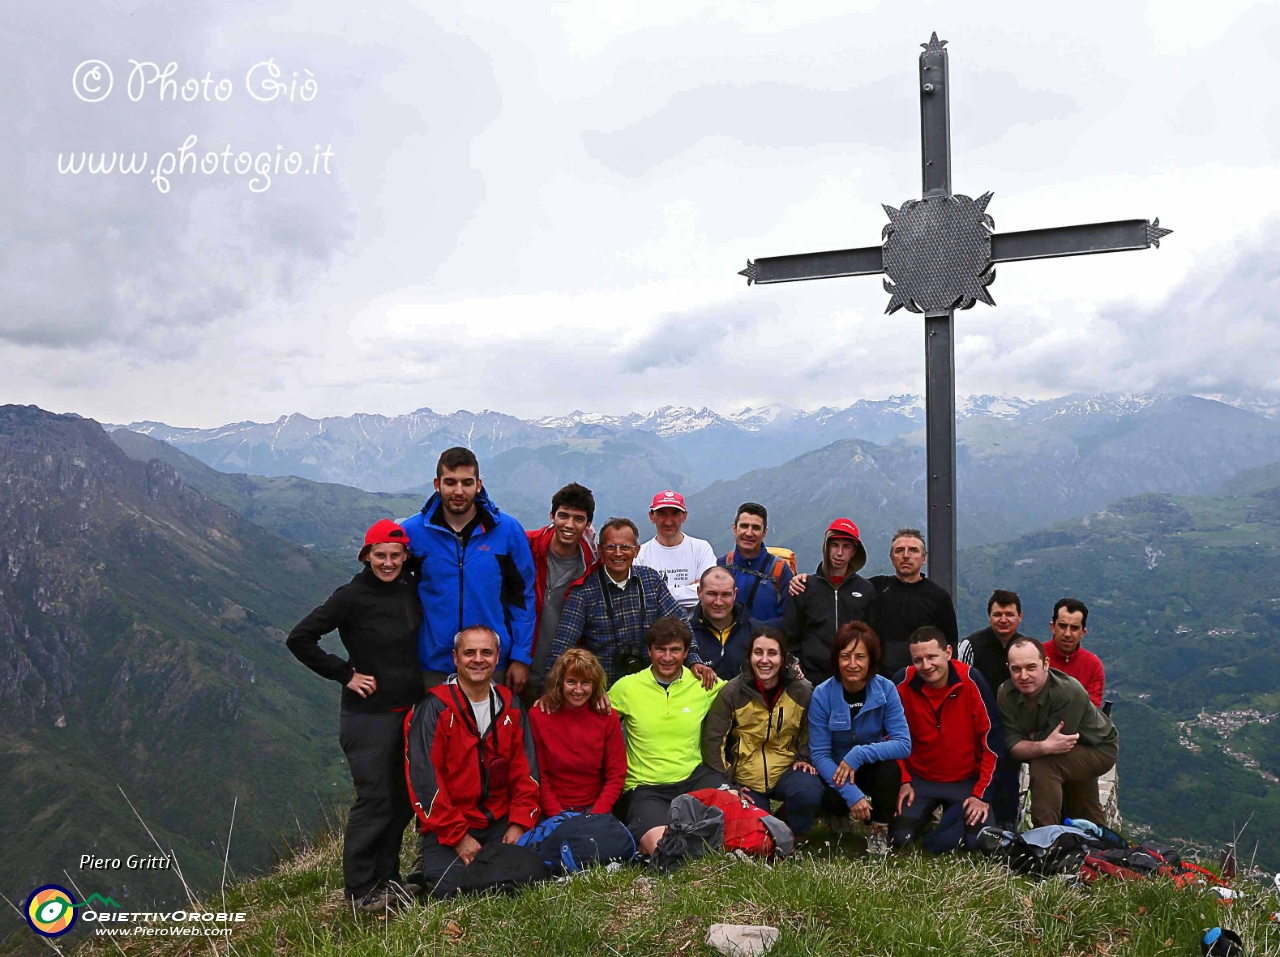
472, 767
1065, 654
562, 558
949, 710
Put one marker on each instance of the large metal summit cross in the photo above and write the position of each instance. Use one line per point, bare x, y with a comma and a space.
939, 255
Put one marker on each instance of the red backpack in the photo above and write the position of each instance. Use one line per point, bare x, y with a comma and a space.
744, 826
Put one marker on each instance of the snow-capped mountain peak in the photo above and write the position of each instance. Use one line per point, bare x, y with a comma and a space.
996, 406
671, 420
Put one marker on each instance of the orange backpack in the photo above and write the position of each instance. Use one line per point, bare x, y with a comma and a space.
781, 556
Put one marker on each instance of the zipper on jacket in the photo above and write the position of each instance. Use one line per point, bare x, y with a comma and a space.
457, 540
764, 748
937, 712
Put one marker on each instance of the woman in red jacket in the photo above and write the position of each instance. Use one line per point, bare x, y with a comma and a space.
581, 754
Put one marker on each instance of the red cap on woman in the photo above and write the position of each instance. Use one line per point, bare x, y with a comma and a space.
383, 532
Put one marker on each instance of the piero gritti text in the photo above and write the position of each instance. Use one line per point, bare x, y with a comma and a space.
134, 862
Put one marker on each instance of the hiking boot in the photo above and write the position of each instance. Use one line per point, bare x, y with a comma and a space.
878, 840
385, 899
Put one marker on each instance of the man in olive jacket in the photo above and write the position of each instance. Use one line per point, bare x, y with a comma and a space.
1067, 742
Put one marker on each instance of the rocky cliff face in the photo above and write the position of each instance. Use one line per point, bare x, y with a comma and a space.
141, 645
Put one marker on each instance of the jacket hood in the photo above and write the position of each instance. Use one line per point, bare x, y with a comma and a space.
821, 572
838, 530
484, 504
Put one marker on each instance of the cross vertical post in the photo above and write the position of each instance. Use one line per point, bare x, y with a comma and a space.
939, 336
937, 255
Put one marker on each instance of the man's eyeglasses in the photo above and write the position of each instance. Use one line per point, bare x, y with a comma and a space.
618, 548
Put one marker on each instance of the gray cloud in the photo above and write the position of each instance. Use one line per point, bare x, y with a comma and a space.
695, 338
1218, 330
109, 258
772, 115
89, 260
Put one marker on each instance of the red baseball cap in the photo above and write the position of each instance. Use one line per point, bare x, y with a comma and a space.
844, 528
668, 499
383, 532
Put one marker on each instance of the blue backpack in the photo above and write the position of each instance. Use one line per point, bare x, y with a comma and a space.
572, 841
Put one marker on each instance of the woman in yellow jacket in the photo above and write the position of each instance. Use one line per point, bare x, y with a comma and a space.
757, 733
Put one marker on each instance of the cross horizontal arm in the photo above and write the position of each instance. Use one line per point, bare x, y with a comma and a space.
866, 261
1075, 240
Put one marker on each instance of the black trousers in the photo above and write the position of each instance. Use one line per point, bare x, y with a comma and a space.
879, 781
436, 861
1004, 798
374, 746
646, 806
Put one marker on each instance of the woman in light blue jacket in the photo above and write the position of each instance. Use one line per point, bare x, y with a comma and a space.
858, 732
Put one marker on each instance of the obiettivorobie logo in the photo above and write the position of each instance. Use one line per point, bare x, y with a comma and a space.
51, 910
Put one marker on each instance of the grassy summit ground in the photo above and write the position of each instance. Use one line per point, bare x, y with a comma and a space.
827, 903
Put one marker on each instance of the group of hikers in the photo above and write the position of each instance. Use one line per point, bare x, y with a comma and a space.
496, 677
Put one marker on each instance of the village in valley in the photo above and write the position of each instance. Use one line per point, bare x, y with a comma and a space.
1224, 724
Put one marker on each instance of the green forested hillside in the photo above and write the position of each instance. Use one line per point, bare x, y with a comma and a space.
141, 648
1184, 598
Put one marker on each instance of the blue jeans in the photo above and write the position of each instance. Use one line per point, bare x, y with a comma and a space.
800, 793
951, 830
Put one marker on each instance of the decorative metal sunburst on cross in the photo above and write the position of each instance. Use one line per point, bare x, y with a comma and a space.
939, 252
939, 255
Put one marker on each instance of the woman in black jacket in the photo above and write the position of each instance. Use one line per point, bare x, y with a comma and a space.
377, 615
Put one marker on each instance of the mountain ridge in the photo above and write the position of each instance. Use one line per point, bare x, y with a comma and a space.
141, 648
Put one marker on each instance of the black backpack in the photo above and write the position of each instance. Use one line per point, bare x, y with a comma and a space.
585, 839
504, 868
1041, 851
693, 828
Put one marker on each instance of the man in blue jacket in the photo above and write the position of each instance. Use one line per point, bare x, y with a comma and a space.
477, 569
762, 578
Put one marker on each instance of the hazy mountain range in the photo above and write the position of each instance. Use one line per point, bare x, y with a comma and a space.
390, 453
1022, 464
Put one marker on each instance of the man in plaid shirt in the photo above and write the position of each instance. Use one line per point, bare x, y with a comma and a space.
609, 612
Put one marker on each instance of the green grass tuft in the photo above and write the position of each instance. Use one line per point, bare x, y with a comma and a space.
825, 903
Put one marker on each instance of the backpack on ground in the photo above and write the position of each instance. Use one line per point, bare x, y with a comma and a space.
1131, 863
534, 836
748, 828
1148, 859
1041, 851
504, 868
693, 828
576, 841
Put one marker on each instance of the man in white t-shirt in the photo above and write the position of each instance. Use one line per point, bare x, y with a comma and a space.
679, 558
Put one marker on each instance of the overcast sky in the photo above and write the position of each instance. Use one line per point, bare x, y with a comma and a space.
537, 207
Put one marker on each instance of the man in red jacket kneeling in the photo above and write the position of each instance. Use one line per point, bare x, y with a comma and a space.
950, 710
471, 763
